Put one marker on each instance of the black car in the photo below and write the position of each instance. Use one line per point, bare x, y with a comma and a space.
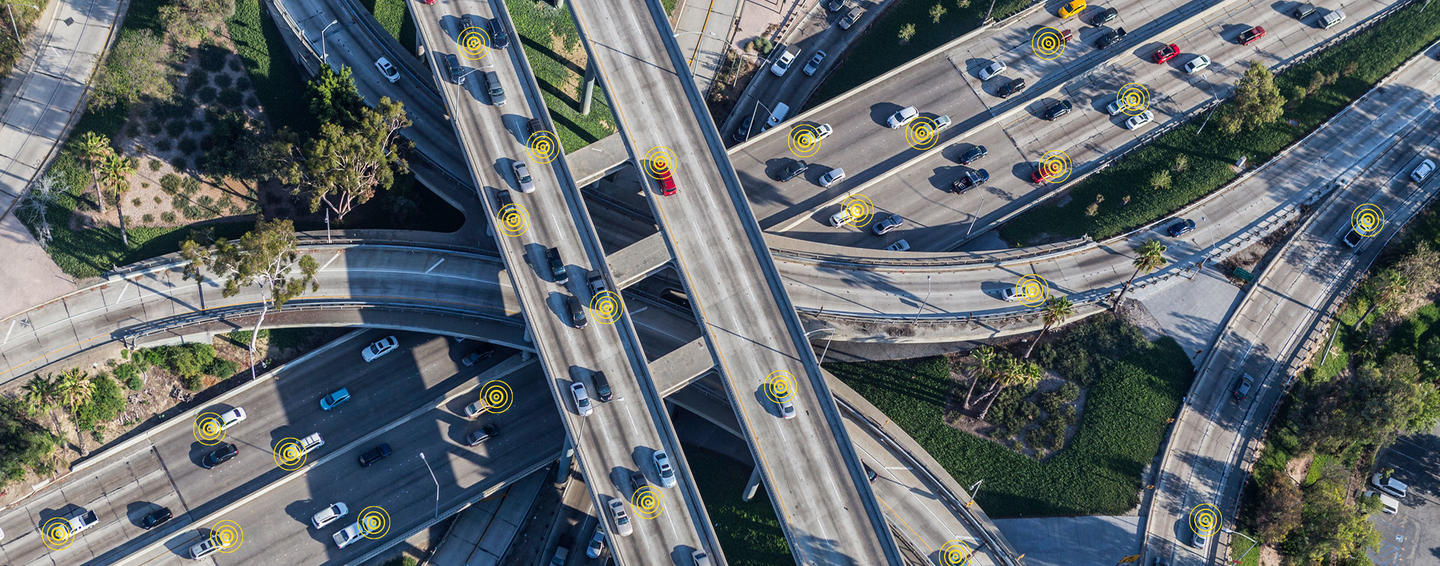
969, 180
1012, 87
375, 454
224, 453
457, 72
502, 197
557, 266
1104, 16
1242, 387
493, 88
1058, 109
482, 434
155, 518
536, 125
467, 22
974, 155
602, 386
1109, 38
1180, 227
1303, 10
742, 133
869, 473
795, 169
577, 313
498, 38
637, 481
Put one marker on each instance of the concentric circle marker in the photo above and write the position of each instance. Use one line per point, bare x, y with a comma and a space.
1367, 220
1047, 43
921, 133
1204, 520
607, 307
1056, 165
955, 553
658, 161
1032, 290
288, 454
861, 210
513, 220
543, 147
227, 535
474, 43
648, 502
1134, 98
780, 386
374, 522
497, 396
208, 429
804, 140
56, 533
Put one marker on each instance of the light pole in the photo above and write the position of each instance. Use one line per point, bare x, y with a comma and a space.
324, 57
437, 484
11, 9
1253, 543
827, 342
927, 297
750, 126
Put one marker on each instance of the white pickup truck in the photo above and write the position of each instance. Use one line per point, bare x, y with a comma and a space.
79, 520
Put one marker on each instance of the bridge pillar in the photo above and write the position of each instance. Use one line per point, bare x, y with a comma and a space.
525, 354
589, 89
563, 470
751, 486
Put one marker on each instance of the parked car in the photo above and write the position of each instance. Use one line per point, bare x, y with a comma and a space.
334, 399
582, 399
1390, 486
1104, 16
474, 357
1331, 18
224, 453
1423, 171
992, 70
1139, 120
380, 348
621, 518
814, 64
969, 180
1180, 227
782, 63
851, 17
795, 169
155, 518
522, 176
1166, 53
1073, 8
347, 536
1109, 38
1242, 387
889, 224
499, 38
836, 5
663, 469
231, 418
329, 515
388, 70
1057, 110
1012, 87
1197, 63
375, 454
1388, 504
901, 117
1250, 35
831, 177
973, 154
481, 434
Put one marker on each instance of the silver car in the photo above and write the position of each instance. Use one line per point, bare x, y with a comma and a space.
622, 519
992, 70
522, 176
888, 225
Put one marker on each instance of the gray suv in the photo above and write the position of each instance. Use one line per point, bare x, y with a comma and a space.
493, 88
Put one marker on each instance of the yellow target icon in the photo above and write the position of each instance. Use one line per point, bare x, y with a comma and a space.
513, 220
860, 210
1134, 98
374, 522
1047, 43
607, 307
922, 134
289, 455
1032, 290
780, 386
543, 147
804, 140
1204, 520
497, 396
227, 535
955, 553
1056, 166
1367, 220
56, 533
648, 502
208, 429
658, 161
474, 43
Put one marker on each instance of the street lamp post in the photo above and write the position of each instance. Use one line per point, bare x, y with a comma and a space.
750, 126
325, 57
1253, 544
827, 342
11, 9
437, 484
927, 298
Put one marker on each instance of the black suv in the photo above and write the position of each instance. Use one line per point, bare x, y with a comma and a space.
467, 22
482, 434
155, 518
969, 180
1058, 109
1012, 87
973, 155
637, 481
602, 386
375, 454
452, 65
224, 453
1180, 227
557, 266
1104, 16
493, 88
1242, 387
795, 169
498, 38
577, 313
1110, 38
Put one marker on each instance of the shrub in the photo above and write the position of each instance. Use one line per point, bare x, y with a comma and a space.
106, 401
168, 217
212, 58
148, 218
187, 145
206, 94
231, 97
156, 199
222, 368
197, 125
175, 127
170, 183
242, 83
154, 127
129, 373
252, 102
197, 79
221, 81
154, 164
163, 144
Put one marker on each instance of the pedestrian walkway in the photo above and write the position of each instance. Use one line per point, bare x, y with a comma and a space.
703, 29
482, 533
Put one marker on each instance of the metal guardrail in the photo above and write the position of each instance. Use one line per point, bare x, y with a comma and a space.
131, 335
1030, 253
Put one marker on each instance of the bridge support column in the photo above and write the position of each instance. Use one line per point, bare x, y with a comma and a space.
525, 354
589, 89
751, 486
563, 470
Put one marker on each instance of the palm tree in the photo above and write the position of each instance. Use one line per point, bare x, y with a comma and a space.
1057, 310
115, 177
1152, 257
73, 390
1015, 372
1387, 288
93, 148
39, 395
985, 365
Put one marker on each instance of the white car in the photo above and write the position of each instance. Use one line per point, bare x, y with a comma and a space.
348, 535
622, 519
1140, 120
831, 177
902, 117
379, 348
1197, 63
386, 68
475, 408
582, 399
1423, 171
1114, 108
787, 409
1010, 293
1390, 486
824, 131
783, 63
231, 418
992, 70
840, 218
329, 515
663, 469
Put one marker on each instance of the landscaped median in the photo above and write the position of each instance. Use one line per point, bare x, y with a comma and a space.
552, 45
1188, 163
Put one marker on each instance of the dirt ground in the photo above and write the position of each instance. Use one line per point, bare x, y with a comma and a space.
961, 372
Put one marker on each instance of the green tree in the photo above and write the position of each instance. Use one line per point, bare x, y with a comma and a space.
1182, 163
1278, 511
1057, 311
984, 367
344, 167
1150, 256
74, 389
92, 149
193, 21
936, 12
1257, 101
907, 32
1383, 291
334, 99
115, 178
264, 258
1160, 180
105, 403
1012, 373
962, 4
38, 395
138, 68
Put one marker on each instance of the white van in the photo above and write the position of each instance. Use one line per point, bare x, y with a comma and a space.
1331, 18
1389, 504
781, 111
1389, 486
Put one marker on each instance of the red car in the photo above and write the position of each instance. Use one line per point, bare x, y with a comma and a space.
667, 183
428, 2
1250, 35
1167, 53
1040, 175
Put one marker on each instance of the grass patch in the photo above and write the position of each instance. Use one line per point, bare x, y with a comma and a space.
1133, 392
880, 50
278, 82
749, 532
1373, 54
552, 45
11, 45
394, 16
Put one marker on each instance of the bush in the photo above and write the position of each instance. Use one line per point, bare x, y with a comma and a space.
197, 79
106, 401
206, 94
252, 102
231, 97
175, 127
167, 217
148, 218
242, 83
163, 144
154, 127
221, 81
154, 164
187, 145
197, 125
170, 183
212, 58
26, 445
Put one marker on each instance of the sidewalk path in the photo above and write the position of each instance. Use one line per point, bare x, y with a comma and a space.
702, 28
